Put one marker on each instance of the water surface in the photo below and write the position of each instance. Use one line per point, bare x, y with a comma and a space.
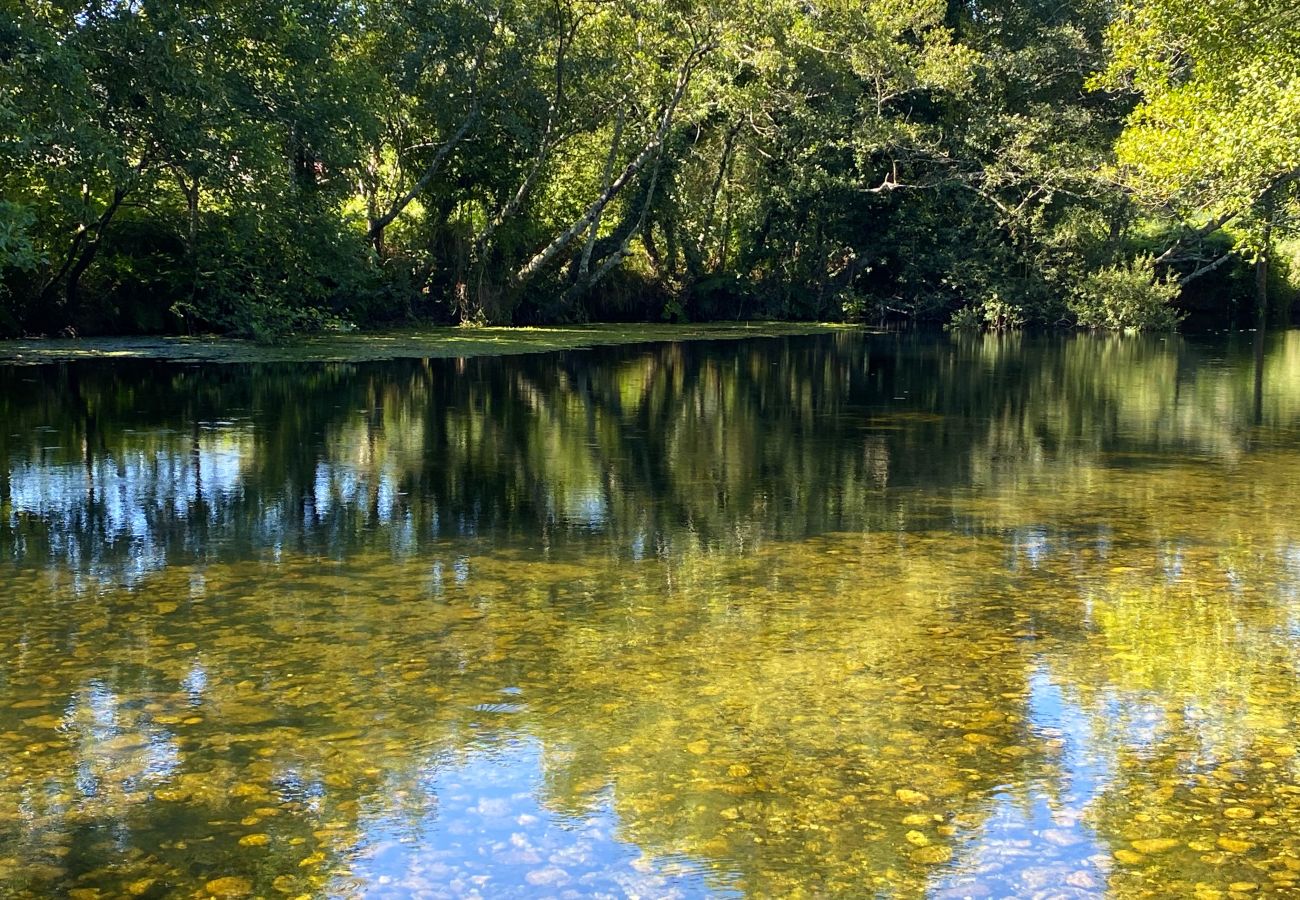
812, 616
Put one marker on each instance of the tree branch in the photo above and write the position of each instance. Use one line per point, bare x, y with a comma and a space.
551, 250
1205, 269
377, 226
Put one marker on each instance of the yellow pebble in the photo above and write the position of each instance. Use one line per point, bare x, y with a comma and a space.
229, 886
1234, 845
1155, 845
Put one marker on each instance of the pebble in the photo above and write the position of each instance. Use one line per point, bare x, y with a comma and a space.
229, 886
1155, 845
932, 855
1234, 845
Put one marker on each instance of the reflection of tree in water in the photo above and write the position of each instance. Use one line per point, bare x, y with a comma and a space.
120, 469
1177, 642
833, 707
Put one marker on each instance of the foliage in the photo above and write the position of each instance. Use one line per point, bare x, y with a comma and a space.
1215, 138
267, 168
1126, 296
1219, 81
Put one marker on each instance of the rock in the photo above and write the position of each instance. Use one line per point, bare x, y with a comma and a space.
906, 795
932, 855
254, 840
1155, 845
1234, 845
1238, 812
917, 839
44, 721
229, 886
1129, 857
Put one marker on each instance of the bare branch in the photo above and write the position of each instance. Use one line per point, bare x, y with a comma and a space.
1205, 269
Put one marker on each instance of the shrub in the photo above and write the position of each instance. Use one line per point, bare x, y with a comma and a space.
1127, 297
992, 313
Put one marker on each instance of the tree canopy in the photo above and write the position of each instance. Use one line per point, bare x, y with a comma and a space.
262, 168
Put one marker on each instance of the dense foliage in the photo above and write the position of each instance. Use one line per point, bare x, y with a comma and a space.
266, 167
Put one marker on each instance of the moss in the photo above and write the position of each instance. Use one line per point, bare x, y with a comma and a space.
363, 346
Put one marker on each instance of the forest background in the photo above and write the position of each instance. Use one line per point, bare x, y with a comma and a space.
268, 167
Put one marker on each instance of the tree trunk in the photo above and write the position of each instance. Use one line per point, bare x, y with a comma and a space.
1261, 266
88, 251
551, 250
585, 263
624, 248
369, 184
547, 143
191, 194
711, 210
375, 233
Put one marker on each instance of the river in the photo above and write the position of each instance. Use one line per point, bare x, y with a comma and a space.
832, 615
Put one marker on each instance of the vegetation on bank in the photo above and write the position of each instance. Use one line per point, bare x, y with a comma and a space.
260, 168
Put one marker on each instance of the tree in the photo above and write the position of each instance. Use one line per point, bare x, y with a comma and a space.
1215, 138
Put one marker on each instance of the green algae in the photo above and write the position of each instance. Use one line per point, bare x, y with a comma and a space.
430, 343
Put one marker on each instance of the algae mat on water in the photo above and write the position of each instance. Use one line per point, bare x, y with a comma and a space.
364, 346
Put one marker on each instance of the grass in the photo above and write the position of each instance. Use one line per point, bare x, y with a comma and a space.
364, 346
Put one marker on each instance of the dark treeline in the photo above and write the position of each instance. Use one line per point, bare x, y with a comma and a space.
259, 167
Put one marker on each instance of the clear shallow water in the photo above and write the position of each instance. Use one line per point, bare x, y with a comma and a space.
840, 615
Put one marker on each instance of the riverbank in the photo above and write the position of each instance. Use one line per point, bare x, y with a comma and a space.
364, 346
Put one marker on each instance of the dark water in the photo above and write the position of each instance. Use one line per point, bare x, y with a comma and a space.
838, 615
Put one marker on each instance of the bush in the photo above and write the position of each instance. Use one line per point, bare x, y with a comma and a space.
272, 275
992, 313
1127, 297
966, 318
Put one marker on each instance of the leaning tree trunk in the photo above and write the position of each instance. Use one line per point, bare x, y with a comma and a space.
89, 249
648, 151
